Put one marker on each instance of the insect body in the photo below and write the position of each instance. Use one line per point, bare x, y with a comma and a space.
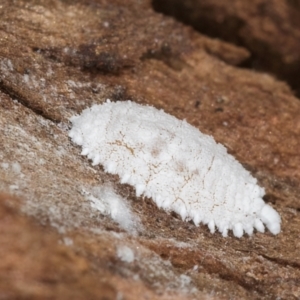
172, 162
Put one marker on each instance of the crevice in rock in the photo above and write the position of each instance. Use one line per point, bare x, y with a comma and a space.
186, 15
210, 265
208, 19
36, 109
87, 58
166, 55
282, 262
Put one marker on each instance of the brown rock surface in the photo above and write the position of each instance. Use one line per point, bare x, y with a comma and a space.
270, 30
58, 57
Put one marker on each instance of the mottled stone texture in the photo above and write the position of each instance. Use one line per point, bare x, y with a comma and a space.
58, 57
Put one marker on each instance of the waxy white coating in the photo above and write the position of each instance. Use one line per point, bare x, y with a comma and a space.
172, 162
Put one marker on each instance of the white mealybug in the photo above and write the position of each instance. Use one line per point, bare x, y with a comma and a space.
180, 168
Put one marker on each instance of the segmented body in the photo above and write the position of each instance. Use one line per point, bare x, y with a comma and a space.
172, 162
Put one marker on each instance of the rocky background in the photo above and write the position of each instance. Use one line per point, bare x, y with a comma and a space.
230, 68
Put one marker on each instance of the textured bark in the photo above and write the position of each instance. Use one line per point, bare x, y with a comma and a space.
58, 57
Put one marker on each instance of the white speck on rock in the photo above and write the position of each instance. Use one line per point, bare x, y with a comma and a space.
41, 161
13, 187
185, 280
125, 254
172, 162
106, 24
107, 202
68, 241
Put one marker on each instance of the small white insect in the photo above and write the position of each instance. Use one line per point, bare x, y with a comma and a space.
180, 168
